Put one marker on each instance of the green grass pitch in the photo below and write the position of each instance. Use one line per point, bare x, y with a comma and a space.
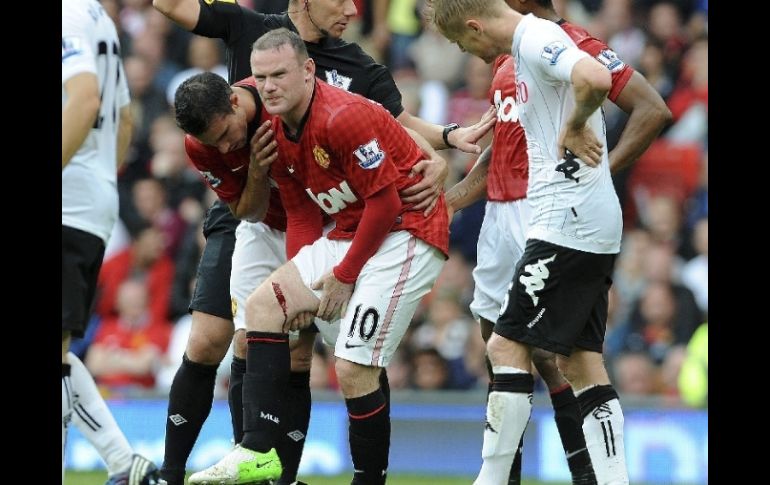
99, 477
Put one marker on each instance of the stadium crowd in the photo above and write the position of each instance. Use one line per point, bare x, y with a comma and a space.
660, 293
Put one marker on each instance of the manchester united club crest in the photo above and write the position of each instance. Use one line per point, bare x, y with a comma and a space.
321, 156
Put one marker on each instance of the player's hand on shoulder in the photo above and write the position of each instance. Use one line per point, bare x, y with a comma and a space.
466, 138
424, 194
335, 296
264, 148
582, 142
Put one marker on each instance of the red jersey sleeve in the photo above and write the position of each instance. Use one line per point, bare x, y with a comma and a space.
227, 184
304, 223
381, 206
362, 147
621, 72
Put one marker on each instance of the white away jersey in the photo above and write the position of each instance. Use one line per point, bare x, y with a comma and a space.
573, 205
89, 43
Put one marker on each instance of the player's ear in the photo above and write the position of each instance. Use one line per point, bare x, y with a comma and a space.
474, 25
233, 100
309, 68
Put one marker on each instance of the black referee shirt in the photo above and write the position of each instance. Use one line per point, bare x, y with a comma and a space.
338, 62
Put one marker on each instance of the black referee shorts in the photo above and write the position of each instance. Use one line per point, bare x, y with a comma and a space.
558, 299
212, 286
81, 260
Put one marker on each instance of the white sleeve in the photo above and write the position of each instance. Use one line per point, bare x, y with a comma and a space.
76, 50
552, 51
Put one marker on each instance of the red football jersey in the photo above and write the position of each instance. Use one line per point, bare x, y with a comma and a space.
226, 173
347, 149
509, 168
621, 72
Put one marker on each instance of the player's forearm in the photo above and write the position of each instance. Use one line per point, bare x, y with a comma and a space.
78, 113
648, 115
472, 187
125, 129
255, 197
371, 232
424, 145
433, 134
591, 82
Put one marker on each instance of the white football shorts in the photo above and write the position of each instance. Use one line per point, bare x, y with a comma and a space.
502, 240
259, 250
385, 298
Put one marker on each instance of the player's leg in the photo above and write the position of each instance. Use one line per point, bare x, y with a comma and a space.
387, 293
602, 415
192, 390
567, 415
296, 411
82, 255
66, 396
535, 315
260, 250
95, 421
588, 277
501, 243
269, 309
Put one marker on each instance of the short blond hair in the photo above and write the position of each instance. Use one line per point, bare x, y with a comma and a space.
449, 15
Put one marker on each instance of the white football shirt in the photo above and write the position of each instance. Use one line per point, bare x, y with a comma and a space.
89, 43
573, 205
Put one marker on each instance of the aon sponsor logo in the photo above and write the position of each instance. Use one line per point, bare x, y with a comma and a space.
335, 199
506, 108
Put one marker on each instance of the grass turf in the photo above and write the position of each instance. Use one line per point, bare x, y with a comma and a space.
99, 477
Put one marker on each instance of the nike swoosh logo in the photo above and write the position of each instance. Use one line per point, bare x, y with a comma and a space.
570, 455
237, 168
348, 346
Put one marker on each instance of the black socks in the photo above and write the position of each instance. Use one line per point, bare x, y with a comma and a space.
189, 404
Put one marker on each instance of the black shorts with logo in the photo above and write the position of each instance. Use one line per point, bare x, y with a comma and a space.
212, 286
557, 299
81, 260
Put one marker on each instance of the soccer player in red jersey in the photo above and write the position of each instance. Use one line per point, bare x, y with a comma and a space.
346, 156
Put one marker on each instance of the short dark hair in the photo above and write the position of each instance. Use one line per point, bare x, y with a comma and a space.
199, 100
278, 37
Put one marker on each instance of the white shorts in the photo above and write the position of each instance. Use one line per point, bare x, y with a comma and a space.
259, 250
385, 298
502, 240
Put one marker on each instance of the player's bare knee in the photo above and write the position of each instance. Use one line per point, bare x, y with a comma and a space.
505, 352
497, 347
263, 310
545, 363
209, 339
239, 344
356, 380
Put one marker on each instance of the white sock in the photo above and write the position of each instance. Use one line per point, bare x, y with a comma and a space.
66, 413
95, 421
507, 416
603, 429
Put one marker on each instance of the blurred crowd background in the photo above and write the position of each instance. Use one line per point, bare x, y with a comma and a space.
660, 294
